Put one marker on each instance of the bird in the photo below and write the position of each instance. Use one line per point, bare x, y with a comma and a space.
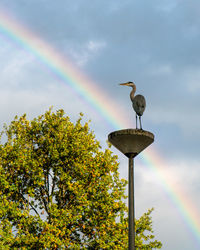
138, 102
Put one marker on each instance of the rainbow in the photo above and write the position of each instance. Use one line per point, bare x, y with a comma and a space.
175, 193
63, 69
103, 104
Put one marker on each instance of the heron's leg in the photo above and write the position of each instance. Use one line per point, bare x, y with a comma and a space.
136, 120
140, 122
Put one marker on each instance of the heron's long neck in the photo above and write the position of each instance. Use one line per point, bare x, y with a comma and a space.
132, 94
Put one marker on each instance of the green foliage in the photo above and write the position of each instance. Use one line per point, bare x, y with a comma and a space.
59, 190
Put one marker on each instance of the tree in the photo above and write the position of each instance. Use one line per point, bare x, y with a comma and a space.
59, 190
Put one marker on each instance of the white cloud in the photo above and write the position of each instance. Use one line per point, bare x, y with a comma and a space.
86, 52
192, 78
167, 6
160, 70
13, 65
95, 46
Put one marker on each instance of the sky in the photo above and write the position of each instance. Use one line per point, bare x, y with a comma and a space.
154, 43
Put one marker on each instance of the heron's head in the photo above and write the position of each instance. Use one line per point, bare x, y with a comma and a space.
130, 84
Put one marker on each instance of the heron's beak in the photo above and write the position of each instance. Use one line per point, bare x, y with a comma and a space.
123, 84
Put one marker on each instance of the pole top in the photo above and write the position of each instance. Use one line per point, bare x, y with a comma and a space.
131, 141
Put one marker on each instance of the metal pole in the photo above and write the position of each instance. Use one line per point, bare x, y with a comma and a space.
131, 142
131, 209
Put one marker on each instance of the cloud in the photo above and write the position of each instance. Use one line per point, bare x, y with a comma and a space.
167, 6
86, 52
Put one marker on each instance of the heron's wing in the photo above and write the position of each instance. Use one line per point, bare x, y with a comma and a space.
139, 104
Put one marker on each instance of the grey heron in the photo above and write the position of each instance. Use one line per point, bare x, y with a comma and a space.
138, 102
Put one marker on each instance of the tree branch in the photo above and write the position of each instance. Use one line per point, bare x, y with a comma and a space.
44, 200
32, 207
